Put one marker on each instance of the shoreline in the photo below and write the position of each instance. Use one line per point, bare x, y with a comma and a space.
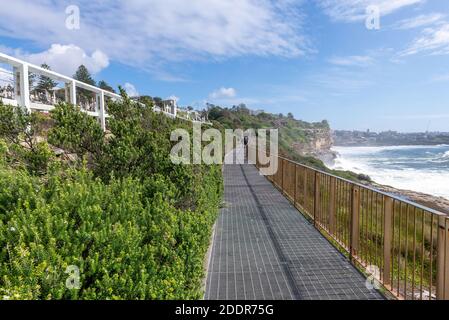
440, 204
437, 203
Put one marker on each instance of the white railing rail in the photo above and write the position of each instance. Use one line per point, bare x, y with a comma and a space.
21, 96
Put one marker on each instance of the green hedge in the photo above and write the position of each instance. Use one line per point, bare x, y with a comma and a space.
136, 225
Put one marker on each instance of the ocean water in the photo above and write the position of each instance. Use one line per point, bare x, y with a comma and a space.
418, 168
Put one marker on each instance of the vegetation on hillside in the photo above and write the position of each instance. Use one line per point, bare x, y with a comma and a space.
136, 225
291, 131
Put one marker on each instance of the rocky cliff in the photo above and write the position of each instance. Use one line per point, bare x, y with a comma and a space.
318, 144
299, 140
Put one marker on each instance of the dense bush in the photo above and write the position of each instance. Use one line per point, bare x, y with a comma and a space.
136, 225
19, 131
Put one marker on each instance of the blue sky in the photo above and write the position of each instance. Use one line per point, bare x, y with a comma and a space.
315, 58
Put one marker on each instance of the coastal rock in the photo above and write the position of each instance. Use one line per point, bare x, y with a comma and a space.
433, 202
318, 145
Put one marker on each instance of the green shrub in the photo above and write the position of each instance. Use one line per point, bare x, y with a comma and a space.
19, 132
136, 225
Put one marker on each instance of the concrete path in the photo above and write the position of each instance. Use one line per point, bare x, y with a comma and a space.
263, 248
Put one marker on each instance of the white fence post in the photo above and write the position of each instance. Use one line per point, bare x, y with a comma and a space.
73, 93
67, 92
22, 86
16, 80
102, 111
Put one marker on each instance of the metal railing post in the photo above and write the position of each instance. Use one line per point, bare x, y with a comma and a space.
443, 258
446, 259
316, 197
388, 234
355, 227
305, 189
282, 175
295, 184
332, 206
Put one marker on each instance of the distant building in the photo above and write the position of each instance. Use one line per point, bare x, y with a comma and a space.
388, 138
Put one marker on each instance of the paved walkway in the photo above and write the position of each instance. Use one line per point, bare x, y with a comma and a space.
265, 249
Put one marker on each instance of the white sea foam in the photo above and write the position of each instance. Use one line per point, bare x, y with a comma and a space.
370, 150
382, 170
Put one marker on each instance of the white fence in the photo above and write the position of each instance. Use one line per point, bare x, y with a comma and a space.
18, 92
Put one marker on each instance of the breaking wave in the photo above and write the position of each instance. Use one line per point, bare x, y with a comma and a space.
418, 168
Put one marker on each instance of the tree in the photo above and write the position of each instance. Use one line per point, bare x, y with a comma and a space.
290, 115
157, 102
45, 84
19, 130
105, 86
146, 100
31, 81
83, 75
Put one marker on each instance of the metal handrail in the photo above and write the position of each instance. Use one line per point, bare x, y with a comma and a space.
406, 242
369, 188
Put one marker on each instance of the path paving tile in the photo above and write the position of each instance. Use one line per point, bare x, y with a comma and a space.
264, 249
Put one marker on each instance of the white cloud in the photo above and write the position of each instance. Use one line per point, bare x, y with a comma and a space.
66, 59
359, 61
355, 10
433, 41
131, 90
223, 93
150, 33
423, 20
